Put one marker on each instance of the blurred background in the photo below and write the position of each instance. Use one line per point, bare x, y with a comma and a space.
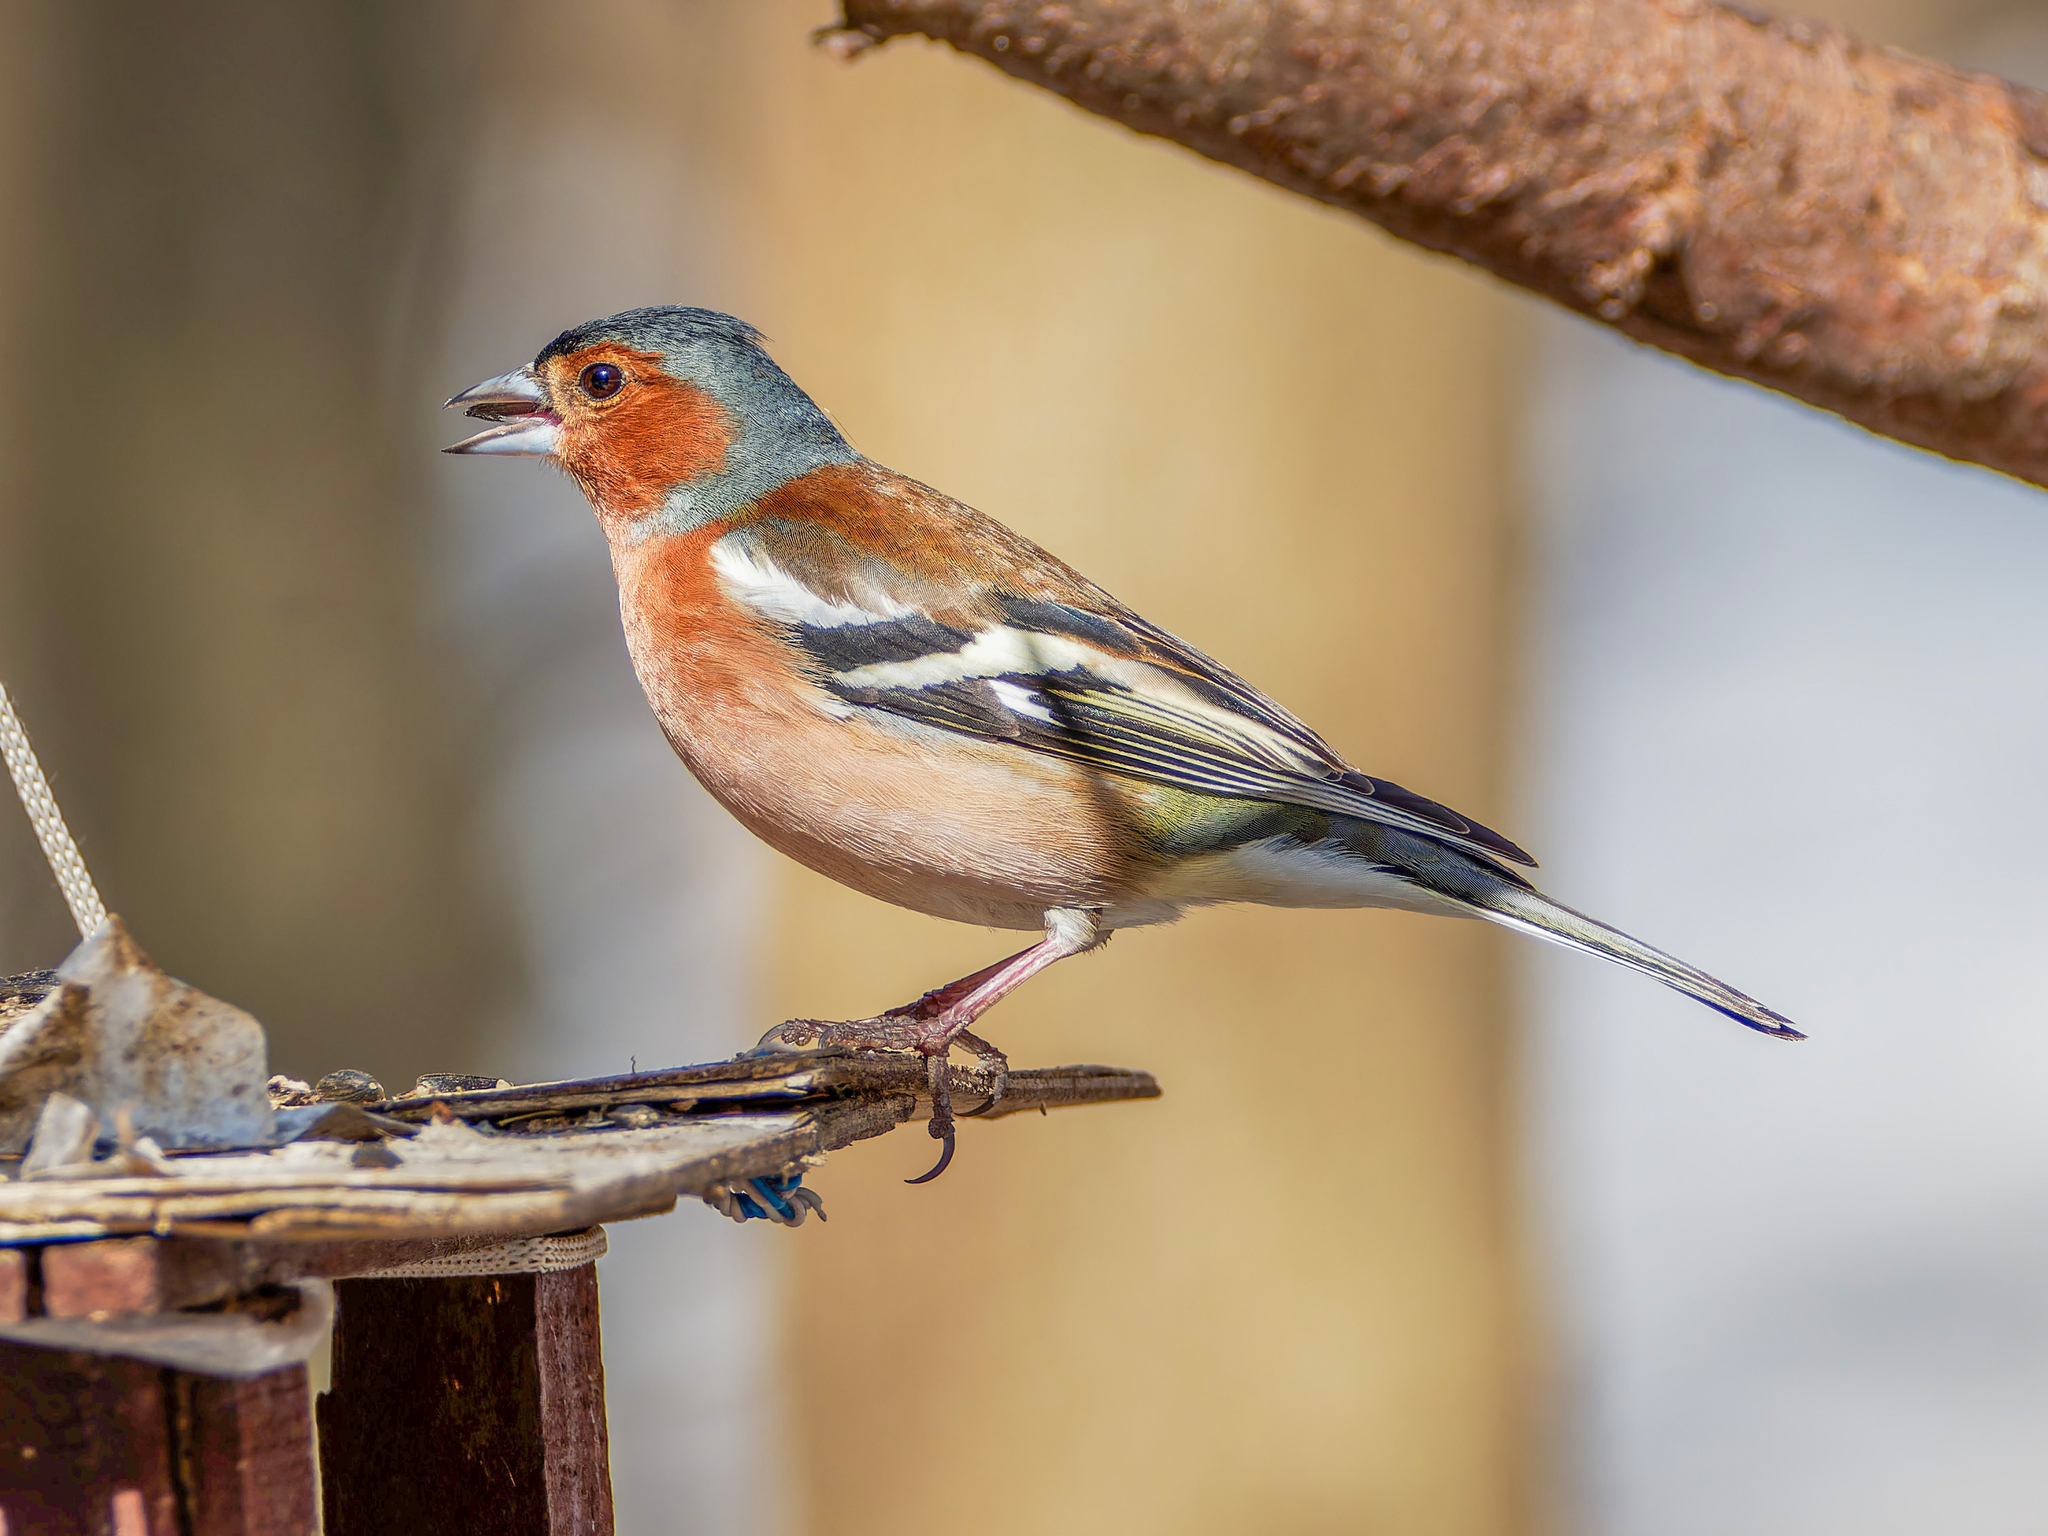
1433, 1232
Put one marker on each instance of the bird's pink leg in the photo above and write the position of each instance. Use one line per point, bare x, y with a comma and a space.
933, 1023
983, 991
939, 999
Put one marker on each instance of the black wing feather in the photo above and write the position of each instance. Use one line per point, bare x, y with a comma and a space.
1090, 718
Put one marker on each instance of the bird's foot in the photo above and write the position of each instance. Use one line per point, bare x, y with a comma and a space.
923, 1027
991, 1061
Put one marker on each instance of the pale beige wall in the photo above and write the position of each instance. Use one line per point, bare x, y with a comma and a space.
1284, 1298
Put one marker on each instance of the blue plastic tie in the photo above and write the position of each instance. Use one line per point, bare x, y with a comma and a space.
773, 1193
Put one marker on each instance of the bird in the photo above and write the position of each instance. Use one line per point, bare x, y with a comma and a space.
905, 695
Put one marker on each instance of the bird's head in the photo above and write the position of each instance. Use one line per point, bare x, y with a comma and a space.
667, 418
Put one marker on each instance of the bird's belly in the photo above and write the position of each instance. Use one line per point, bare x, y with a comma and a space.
967, 833
943, 824
1287, 872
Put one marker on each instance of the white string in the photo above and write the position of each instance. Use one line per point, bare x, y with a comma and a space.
87, 910
514, 1256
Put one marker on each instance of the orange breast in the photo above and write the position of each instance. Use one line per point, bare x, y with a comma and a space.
950, 825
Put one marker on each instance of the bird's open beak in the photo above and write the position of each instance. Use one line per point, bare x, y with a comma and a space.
516, 401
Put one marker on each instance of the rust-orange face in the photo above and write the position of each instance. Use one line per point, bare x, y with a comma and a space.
629, 432
666, 417
614, 418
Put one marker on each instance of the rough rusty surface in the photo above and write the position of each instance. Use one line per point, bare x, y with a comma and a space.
1779, 201
498, 1427
572, 1419
95, 1444
127, 1275
14, 1285
83, 1431
247, 1446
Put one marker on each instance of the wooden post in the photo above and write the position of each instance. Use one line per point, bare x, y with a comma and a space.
474, 1405
97, 1445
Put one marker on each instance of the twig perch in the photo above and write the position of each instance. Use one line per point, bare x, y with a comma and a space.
1855, 227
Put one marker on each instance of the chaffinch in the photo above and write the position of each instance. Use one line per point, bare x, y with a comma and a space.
907, 696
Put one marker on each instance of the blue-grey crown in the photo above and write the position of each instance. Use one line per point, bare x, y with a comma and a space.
658, 328
781, 434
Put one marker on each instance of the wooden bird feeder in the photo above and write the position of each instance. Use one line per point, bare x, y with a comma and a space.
179, 1232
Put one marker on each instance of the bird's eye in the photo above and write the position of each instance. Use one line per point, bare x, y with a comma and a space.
601, 381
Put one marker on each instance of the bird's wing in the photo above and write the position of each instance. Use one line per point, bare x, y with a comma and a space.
1076, 676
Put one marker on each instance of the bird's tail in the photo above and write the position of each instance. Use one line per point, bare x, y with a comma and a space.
1534, 913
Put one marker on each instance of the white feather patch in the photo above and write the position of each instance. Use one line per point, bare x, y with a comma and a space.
992, 653
1022, 701
750, 577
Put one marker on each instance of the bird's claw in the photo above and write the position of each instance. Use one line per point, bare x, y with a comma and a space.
992, 1061
945, 1155
941, 1127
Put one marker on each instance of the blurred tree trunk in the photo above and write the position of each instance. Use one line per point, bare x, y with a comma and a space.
212, 529
1283, 1298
